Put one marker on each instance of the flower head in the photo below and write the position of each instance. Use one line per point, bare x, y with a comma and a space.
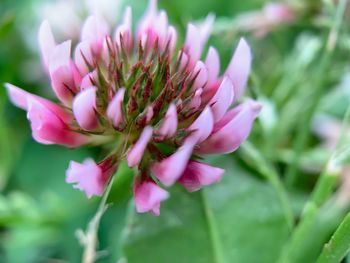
155, 105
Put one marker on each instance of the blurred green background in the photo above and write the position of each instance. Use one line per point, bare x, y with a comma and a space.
247, 217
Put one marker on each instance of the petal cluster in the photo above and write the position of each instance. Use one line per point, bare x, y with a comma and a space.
155, 105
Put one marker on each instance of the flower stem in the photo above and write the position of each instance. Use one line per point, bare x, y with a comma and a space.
304, 125
213, 232
339, 245
322, 191
89, 239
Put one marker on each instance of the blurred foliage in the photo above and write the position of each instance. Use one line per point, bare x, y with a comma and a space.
241, 219
189, 223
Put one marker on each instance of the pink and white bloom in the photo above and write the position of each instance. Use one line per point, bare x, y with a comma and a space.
171, 168
169, 125
148, 196
115, 108
230, 131
136, 152
49, 128
90, 177
157, 114
197, 175
84, 109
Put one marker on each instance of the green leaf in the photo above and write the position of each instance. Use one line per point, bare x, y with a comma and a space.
238, 220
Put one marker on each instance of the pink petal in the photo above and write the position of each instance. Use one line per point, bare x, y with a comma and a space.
82, 56
172, 37
94, 30
115, 110
202, 126
196, 38
149, 114
62, 72
44, 123
232, 129
63, 84
146, 38
48, 128
170, 169
104, 55
278, 13
197, 175
184, 60
84, 105
222, 100
60, 56
136, 153
196, 100
75, 74
125, 30
239, 68
148, 18
87, 82
148, 196
20, 98
206, 28
87, 177
212, 64
169, 125
161, 29
46, 42
193, 43
127, 20
202, 76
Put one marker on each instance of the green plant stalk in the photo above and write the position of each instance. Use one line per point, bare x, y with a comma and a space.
333, 252
89, 239
304, 126
302, 136
298, 238
321, 193
326, 221
329, 177
339, 245
323, 189
285, 86
271, 175
213, 232
327, 180
129, 221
